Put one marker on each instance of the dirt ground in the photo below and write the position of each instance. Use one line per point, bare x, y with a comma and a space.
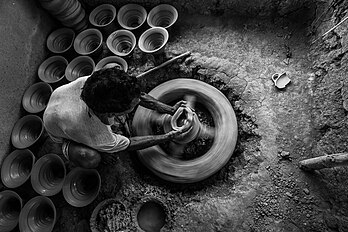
261, 188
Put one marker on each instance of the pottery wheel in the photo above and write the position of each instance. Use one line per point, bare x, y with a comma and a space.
166, 165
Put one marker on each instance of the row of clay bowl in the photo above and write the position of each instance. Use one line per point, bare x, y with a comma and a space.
130, 19
48, 177
88, 44
55, 68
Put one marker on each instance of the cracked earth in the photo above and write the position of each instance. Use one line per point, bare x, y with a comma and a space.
261, 187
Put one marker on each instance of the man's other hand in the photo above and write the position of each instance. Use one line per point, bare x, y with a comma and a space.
174, 134
179, 104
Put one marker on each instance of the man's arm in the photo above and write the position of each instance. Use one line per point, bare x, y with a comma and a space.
141, 142
152, 103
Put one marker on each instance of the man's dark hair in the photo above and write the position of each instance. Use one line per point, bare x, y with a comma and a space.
110, 90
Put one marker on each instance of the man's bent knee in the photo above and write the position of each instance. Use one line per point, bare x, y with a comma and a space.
83, 156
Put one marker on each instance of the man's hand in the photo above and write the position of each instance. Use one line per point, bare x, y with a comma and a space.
179, 104
179, 132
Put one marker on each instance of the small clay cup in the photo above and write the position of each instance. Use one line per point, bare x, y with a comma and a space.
27, 131
36, 97
79, 67
112, 61
153, 40
121, 43
16, 168
163, 15
61, 41
48, 175
281, 80
103, 18
132, 17
89, 43
81, 186
38, 214
10, 207
52, 69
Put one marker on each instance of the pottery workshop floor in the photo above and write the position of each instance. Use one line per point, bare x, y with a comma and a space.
261, 188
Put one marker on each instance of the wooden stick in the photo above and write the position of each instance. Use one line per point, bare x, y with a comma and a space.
333, 28
326, 161
163, 64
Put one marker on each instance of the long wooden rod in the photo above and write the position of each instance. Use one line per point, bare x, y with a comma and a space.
326, 161
163, 64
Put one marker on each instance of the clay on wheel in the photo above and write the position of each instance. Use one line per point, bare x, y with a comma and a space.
189, 171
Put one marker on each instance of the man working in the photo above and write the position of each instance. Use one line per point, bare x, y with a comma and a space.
79, 116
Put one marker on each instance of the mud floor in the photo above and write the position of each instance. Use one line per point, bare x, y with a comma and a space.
261, 188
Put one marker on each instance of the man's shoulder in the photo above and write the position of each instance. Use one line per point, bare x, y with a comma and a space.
76, 84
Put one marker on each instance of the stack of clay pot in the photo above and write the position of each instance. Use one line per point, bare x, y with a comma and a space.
39, 213
69, 12
47, 178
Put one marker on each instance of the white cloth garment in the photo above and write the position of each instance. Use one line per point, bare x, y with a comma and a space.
67, 118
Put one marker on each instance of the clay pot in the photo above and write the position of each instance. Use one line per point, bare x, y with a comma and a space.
53, 6
163, 15
112, 61
121, 43
63, 9
76, 18
281, 80
10, 207
103, 18
36, 97
69, 12
38, 214
60, 41
48, 175
150, 214
72, 10
81, 186
153, 40
177, 121
52, 69
131, 16
89, 42
27, 131
82, 25
16, 168
79, 67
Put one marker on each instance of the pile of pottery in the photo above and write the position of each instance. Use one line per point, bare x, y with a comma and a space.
69, 12
47, 178
109, 40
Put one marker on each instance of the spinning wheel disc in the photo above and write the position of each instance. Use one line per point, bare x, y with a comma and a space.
225, 132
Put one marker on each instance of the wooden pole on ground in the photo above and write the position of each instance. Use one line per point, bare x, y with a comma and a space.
331, 29
326, 161
163, 64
